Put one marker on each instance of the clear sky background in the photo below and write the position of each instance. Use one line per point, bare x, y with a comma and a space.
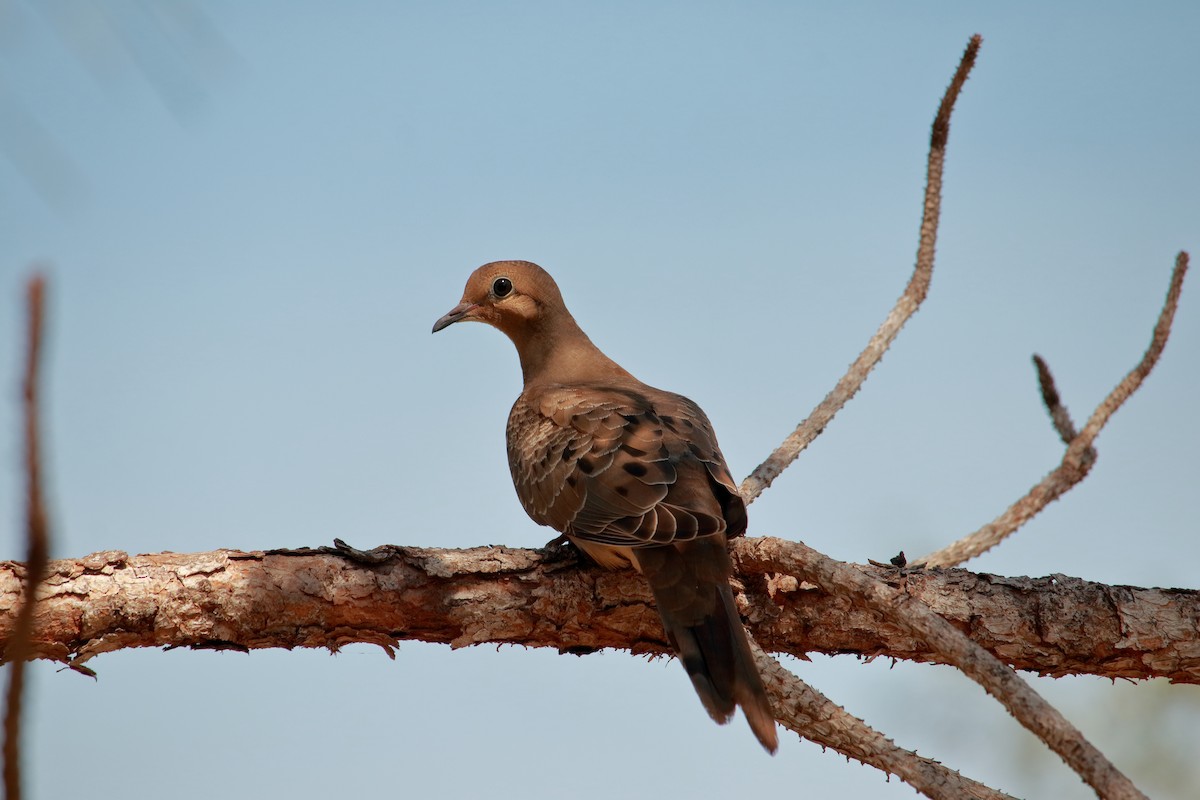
253, 213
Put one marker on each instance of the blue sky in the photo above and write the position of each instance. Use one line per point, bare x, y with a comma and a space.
252, 213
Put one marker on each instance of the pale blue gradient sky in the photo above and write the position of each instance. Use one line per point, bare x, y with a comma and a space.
252, 224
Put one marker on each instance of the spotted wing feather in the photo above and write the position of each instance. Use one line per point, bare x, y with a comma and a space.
620, 467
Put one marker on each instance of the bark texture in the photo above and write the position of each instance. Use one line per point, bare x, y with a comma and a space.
106, 601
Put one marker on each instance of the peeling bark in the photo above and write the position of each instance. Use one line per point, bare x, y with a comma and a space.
248, 600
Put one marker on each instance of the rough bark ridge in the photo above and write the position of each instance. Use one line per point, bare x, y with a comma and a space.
110, 600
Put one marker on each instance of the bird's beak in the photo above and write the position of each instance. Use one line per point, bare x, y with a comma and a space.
460, 312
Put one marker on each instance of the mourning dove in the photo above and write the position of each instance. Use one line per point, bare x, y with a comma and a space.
630, 474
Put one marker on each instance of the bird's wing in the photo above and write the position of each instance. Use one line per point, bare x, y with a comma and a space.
620, 466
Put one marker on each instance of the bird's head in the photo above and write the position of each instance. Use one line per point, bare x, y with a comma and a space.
515, 296
523, 301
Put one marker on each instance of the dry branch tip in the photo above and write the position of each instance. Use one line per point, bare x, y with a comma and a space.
941, 123
1046, 382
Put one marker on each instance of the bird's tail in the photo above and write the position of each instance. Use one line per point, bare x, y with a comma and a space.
690, 581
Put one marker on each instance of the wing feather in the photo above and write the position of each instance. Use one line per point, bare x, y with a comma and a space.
624, 467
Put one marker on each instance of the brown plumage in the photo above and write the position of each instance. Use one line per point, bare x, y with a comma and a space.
630, 474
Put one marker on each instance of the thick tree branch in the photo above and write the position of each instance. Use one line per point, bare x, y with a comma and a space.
109, 601
1038, 716
234, 600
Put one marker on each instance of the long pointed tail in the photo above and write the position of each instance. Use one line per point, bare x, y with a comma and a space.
690, 581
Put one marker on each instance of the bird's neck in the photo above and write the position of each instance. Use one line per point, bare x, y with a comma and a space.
557, 351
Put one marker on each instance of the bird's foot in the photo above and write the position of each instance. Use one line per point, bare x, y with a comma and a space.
376, 555
560, 550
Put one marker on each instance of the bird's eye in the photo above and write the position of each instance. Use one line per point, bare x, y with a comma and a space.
502, 287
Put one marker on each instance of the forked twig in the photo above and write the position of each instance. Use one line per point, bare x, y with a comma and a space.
1063, 424
804, 710
999, 680
1080, 455
38, 552
914, 293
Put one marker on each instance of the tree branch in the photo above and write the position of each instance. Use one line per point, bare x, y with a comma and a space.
803, 709
1079, 457
1038, 716
17, 646
914, 294
109, 601
1064, 426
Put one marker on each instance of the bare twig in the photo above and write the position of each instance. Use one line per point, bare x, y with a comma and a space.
1080, 455
38, 548
1063, 424
914, 293
806, 711
1130, 383
996, 678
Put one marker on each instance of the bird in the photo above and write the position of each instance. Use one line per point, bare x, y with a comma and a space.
629, 474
